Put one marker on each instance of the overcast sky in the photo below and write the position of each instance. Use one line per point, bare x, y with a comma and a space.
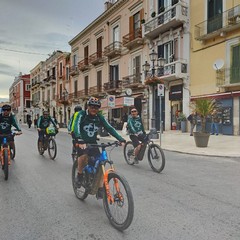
40, 27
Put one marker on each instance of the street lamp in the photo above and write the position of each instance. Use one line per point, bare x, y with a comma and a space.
160, 71
65, 101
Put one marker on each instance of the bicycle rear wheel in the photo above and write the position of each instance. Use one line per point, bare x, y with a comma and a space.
5, 160
52, 148
80, 191
156, 158
129, 153
40, 148
120, 212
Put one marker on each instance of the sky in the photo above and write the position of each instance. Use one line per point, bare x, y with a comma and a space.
32, 29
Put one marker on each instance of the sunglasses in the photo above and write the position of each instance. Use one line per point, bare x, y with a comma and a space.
6, 110
94, 107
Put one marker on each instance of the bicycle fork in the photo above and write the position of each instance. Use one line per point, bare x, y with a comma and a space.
116, 185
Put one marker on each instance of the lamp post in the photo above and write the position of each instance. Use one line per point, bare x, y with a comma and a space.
159, 67
65, 99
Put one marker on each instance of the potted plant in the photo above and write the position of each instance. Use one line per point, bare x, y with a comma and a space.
204, 108
143, 21
153, 14
183, 121
161, 9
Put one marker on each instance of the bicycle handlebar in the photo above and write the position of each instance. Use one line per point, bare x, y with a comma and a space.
104, 145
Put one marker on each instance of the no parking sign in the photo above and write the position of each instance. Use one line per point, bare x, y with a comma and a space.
160, 90
111, 101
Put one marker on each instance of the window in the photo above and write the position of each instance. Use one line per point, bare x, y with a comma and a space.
214, 15
137, 68
28, 87
136, 21
167, 51
60, 69
86, 85
114, 76
235, 64
99, 81
74, 60
116, 34
86, 55
75, 88
28, 104
60, 90
99, 47
67, 73
53, 93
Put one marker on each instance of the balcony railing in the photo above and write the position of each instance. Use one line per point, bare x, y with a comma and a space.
113, 85
113, 50
84, 64
132, 80
175, 70
96, 58
228, 77
133, 39
73, 70
220, 24
172, 17
96, 90
52, 79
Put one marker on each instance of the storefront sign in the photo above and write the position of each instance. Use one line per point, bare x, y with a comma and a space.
111, 101
175, 93
128, 101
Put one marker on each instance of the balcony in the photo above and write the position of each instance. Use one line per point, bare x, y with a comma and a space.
132, 81
84, 65
113, 86
175, 70
52, 79
173, 17
219, 25
96, 91
62, 99
113, 50
73, 70
96, 58
133, 39
228, 77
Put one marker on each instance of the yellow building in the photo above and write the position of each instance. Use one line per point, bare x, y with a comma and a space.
215, 57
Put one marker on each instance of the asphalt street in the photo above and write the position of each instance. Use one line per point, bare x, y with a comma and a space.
194, 198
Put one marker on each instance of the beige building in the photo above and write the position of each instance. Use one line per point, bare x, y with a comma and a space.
215, 57
107, 58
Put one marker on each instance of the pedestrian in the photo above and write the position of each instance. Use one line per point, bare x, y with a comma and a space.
35, 123
192, 118
215, 120
29, 122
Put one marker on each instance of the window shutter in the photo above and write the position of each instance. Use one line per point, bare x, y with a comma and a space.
131, 23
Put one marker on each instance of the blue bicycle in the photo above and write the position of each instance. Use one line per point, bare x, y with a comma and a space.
117, 196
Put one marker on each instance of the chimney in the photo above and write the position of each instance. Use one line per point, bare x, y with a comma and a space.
108, 4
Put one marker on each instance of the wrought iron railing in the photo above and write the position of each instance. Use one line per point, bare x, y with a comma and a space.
228, 76
225, 20
115, 46
132, 36
112, 85
131, 80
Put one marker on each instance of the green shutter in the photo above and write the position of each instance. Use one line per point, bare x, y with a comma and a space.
235, 65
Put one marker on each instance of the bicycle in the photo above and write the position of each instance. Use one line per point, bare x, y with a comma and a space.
156, 157
49, 144
117, 195
5, 153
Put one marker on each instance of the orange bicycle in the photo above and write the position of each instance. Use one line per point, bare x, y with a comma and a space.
5, 152
117, 196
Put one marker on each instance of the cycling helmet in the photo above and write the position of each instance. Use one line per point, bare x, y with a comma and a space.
94, 102
77, 108
6, 107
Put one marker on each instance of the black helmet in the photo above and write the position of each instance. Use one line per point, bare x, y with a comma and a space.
92, 101
6, 107
77, 108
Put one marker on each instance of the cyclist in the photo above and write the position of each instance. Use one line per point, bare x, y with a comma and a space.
71, 126
7, 120
136, 131
43, 123
86, 128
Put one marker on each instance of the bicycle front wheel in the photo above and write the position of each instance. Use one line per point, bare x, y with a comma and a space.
52, 148
5, 159
129, 153
80, 191
120, 211
13, 151
156, 158
40, 147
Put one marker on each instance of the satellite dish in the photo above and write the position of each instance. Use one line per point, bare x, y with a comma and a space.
218, 64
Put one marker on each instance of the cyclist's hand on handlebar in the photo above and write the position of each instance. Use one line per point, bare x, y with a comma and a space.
82, 146
19, 133
39, 129
122, 143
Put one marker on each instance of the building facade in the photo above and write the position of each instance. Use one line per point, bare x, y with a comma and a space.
19, 97
215, 57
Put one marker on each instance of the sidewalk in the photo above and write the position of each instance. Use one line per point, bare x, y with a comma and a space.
221, 145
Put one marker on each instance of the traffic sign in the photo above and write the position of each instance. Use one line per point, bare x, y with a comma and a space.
160, 90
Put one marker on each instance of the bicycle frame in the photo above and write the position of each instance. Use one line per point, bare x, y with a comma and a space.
101, 161
5, 146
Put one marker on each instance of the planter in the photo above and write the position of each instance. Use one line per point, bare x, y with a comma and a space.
201, 139
184, 126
